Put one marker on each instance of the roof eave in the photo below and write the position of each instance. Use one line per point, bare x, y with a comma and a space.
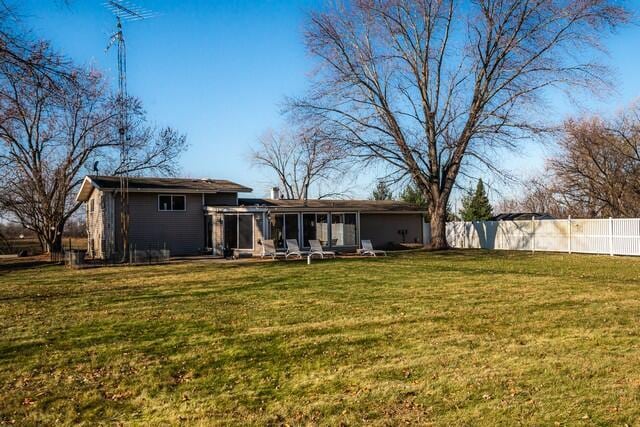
86, 188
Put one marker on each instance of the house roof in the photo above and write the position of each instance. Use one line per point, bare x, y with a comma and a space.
189, 185
329, 205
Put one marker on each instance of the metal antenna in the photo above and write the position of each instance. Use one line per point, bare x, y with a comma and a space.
124, 11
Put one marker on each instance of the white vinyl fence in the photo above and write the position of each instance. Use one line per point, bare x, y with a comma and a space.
594, 236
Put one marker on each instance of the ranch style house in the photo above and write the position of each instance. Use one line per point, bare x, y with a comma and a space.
206, 216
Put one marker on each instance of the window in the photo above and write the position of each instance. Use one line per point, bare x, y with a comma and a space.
172, 202
343, 229
315, 227
238, 231
91, 206
284, 226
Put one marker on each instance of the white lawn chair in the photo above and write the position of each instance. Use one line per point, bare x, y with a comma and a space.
269, 249
367, 249
294, 250
316, 249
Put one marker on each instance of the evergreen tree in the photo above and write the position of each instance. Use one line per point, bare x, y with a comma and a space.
382, 192
411, 194
475, 205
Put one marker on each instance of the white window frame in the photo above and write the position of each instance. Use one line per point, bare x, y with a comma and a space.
184, 196
253, 230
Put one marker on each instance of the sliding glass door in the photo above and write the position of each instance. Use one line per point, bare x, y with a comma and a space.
238, 231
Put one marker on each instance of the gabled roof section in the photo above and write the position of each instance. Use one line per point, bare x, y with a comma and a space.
85, 190
329, 205
187, 185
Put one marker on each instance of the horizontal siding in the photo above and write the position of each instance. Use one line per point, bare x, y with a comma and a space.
183, 233
383, 229
95, 224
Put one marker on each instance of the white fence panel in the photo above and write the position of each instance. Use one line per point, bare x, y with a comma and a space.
595, 236
626, 236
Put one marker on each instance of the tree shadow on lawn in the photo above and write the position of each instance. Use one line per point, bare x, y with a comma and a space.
17, 264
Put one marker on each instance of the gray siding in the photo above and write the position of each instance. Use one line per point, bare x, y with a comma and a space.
382, 229
221, 199
183, 232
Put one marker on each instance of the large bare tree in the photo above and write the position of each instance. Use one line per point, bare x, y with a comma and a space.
302, 158
52, 129
598, 168
433, 86
595, 172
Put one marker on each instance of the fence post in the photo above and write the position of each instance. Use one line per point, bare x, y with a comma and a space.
569, 224
533, 234
610, 236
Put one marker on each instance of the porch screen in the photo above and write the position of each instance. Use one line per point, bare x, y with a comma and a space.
343, 229
291, 226
238, 231
315, 226
277, 230
284, 226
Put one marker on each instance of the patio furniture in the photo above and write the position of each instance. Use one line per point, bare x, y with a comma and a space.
316, 249
294, 250
269, 249
367, 249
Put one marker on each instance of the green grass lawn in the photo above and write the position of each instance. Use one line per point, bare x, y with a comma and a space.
475, 338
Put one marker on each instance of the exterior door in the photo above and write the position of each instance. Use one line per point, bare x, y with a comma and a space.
238, 231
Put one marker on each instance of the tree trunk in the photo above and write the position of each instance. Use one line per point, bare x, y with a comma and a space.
439, 226
56, 244
53, 239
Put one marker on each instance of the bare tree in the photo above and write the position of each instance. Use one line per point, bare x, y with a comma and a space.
596, 172
433, 86
626, 129
598, 169
538, 196
51, 129
302, 159
19, 50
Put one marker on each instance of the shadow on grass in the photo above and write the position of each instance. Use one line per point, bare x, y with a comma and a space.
18, 264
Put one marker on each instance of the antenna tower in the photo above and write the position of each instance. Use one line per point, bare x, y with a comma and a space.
124, 11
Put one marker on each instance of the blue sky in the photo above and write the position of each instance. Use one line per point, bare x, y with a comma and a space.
218, 70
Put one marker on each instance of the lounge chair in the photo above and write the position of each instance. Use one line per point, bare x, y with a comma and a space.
367, 249
294, 250
316, 249
269, 249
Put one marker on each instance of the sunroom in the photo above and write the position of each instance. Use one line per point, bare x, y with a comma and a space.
243, 229
337, 224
